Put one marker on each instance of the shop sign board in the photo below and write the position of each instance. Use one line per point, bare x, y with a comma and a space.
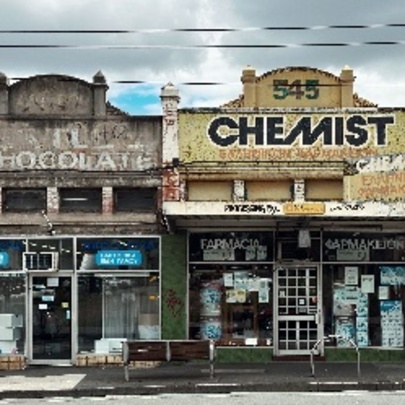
114, 258
371, 247
219, 136
231, 246
307, 208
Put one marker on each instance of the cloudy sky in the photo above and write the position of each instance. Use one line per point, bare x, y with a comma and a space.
156, 54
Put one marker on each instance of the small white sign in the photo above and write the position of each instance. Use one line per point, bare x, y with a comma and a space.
367, 283
351, 275
228, 280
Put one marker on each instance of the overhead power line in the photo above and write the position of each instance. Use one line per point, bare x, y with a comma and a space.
210, 29
199, 46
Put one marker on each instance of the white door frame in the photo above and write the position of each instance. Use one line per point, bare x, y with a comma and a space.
315, 317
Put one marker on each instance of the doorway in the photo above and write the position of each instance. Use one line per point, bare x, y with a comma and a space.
297, 305
50, 303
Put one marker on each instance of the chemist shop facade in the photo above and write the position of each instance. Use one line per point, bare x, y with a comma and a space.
324, 283
292, 199
69, 297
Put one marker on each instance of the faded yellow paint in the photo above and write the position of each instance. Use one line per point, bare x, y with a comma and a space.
306, 208
195, 145
293, 87
329, 93
387, 186
324, 190
269, 190
209, 190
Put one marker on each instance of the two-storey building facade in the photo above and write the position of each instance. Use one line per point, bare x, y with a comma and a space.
290, 200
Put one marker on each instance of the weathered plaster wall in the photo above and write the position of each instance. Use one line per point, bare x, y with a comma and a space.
174, 286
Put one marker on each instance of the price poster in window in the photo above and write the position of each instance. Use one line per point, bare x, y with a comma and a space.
367, 283
351, 275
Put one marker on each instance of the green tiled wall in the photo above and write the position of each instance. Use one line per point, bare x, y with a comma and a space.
365, 355
244, 355
174, 286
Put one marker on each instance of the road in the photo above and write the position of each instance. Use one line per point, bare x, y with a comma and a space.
321, 398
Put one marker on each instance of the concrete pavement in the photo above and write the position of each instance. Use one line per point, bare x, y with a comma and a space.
45, 381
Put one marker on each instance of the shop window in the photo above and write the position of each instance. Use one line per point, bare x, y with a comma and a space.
112, 309
210, 190
231, 304
11, 254
139, 199
364, 290
269, 190
24, 199
12, 311
87, 200
324, 190
298, 244
58, 251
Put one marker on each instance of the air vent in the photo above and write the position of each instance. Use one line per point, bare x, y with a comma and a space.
40, 261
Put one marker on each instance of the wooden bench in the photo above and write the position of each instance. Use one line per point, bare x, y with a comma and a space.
167, 350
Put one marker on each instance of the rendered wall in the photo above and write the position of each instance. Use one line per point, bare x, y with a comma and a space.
174, 286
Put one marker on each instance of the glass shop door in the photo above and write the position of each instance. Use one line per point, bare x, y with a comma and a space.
297, 303
51, 319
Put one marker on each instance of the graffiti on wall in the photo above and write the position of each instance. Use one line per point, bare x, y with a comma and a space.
174, 303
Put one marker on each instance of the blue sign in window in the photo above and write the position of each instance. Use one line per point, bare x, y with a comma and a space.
4, 259
115, 258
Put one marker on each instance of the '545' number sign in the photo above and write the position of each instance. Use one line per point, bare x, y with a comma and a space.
308, 89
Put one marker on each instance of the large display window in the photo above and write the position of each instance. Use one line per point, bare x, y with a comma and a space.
364, 294
118, 291
115, 308
230, 288
12, 313
106, 289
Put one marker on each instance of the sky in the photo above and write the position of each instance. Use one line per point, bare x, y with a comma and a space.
155, 54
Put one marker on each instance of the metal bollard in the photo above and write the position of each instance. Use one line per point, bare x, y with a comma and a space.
328, 338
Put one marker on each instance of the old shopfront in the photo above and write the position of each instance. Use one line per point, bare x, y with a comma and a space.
293, 206
80, 247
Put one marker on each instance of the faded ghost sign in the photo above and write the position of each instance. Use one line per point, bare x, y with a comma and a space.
103, 146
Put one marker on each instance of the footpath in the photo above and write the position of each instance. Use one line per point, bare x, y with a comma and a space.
46, 381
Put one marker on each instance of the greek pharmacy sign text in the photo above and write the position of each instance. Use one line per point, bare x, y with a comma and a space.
271, 131
363, 244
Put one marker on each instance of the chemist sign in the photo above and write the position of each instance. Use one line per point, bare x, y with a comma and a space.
117, 258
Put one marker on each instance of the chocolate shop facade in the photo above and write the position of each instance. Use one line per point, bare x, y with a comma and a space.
80, 245
289, 205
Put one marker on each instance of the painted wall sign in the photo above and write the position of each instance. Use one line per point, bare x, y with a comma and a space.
380, 178
386, 186
304, 136
114, 258
354, 130
78, 145
283, 88
386, 163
